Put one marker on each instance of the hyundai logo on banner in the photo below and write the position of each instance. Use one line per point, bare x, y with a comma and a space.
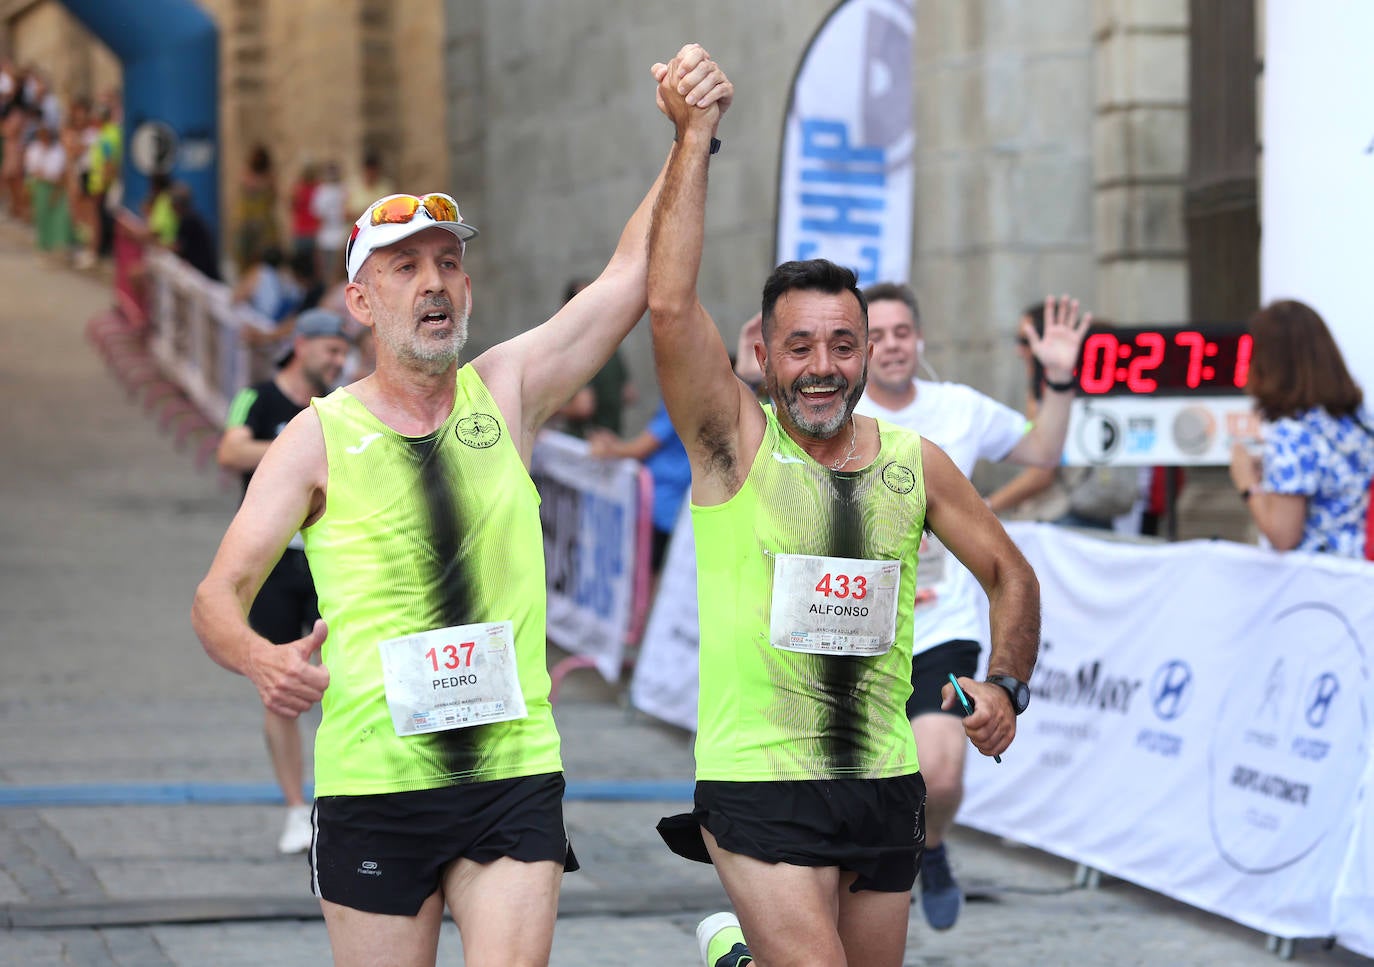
1319, 698
1170, 689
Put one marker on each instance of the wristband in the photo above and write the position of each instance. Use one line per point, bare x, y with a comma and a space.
1067, 386
715, 143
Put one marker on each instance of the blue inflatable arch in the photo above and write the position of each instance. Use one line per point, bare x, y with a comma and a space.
170, 53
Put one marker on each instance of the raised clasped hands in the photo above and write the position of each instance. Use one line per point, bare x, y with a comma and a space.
692, 88
1057, 349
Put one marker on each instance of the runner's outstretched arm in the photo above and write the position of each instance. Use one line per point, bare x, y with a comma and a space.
706, 401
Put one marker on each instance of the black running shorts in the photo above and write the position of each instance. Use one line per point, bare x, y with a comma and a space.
930, 672
387, 853
872, 827
286, 607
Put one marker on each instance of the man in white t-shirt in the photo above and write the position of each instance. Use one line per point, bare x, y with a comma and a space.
968, 426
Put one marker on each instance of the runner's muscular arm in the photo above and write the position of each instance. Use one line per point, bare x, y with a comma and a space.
957, 515
714, 413
535, 373
286, 492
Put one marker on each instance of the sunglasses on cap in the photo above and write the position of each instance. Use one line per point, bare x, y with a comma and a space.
400, 209
387, 216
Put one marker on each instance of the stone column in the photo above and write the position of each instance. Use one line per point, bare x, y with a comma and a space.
1140, 161
1004, 177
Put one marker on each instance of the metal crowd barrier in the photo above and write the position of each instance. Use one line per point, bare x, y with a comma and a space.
174, 339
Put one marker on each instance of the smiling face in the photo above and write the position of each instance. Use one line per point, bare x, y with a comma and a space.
896, 345
415, 296
816, 360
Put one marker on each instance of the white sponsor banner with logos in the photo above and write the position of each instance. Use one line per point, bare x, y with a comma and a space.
1199, 725
665, 677
590, 510
845, 179
1158, 431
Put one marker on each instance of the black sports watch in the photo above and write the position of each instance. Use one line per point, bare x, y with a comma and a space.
1017, 690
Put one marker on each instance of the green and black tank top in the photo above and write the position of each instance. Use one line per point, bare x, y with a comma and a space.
767, 714
421, 534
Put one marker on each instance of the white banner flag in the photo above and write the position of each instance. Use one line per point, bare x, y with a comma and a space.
845, 181
590, 510
1199, 723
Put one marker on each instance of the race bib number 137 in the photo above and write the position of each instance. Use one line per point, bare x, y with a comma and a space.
452, 678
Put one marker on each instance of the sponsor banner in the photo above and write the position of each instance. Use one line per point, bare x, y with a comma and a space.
1158, 431
591, 512
665, 677
1317, 193
1199, 724
845, 175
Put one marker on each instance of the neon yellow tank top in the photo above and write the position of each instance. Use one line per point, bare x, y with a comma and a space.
420, 534
766, 714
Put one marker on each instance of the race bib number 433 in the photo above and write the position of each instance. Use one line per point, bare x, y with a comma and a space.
452, 678
834, 605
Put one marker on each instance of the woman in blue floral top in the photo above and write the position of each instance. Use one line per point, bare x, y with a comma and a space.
1310, 491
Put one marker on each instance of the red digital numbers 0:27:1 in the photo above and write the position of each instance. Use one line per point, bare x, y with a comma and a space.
1143, 362
448, 657
843, 586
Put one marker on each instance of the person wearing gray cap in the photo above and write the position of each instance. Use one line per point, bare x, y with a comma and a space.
438, 775
285, 607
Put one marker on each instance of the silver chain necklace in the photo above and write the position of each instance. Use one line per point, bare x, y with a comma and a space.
853, 439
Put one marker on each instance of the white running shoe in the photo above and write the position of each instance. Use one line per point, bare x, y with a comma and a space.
298, 831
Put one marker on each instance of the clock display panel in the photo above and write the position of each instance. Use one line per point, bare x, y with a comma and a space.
1212, 359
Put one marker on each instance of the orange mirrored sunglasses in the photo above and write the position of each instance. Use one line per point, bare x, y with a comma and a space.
400, 209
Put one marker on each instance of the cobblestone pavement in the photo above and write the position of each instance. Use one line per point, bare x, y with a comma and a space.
107, 527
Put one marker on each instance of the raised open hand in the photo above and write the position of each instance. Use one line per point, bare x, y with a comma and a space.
1058, 348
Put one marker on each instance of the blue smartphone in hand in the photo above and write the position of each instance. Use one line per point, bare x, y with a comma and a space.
967, 704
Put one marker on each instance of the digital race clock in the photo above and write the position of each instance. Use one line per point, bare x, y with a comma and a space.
1211, 359
1161, 396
